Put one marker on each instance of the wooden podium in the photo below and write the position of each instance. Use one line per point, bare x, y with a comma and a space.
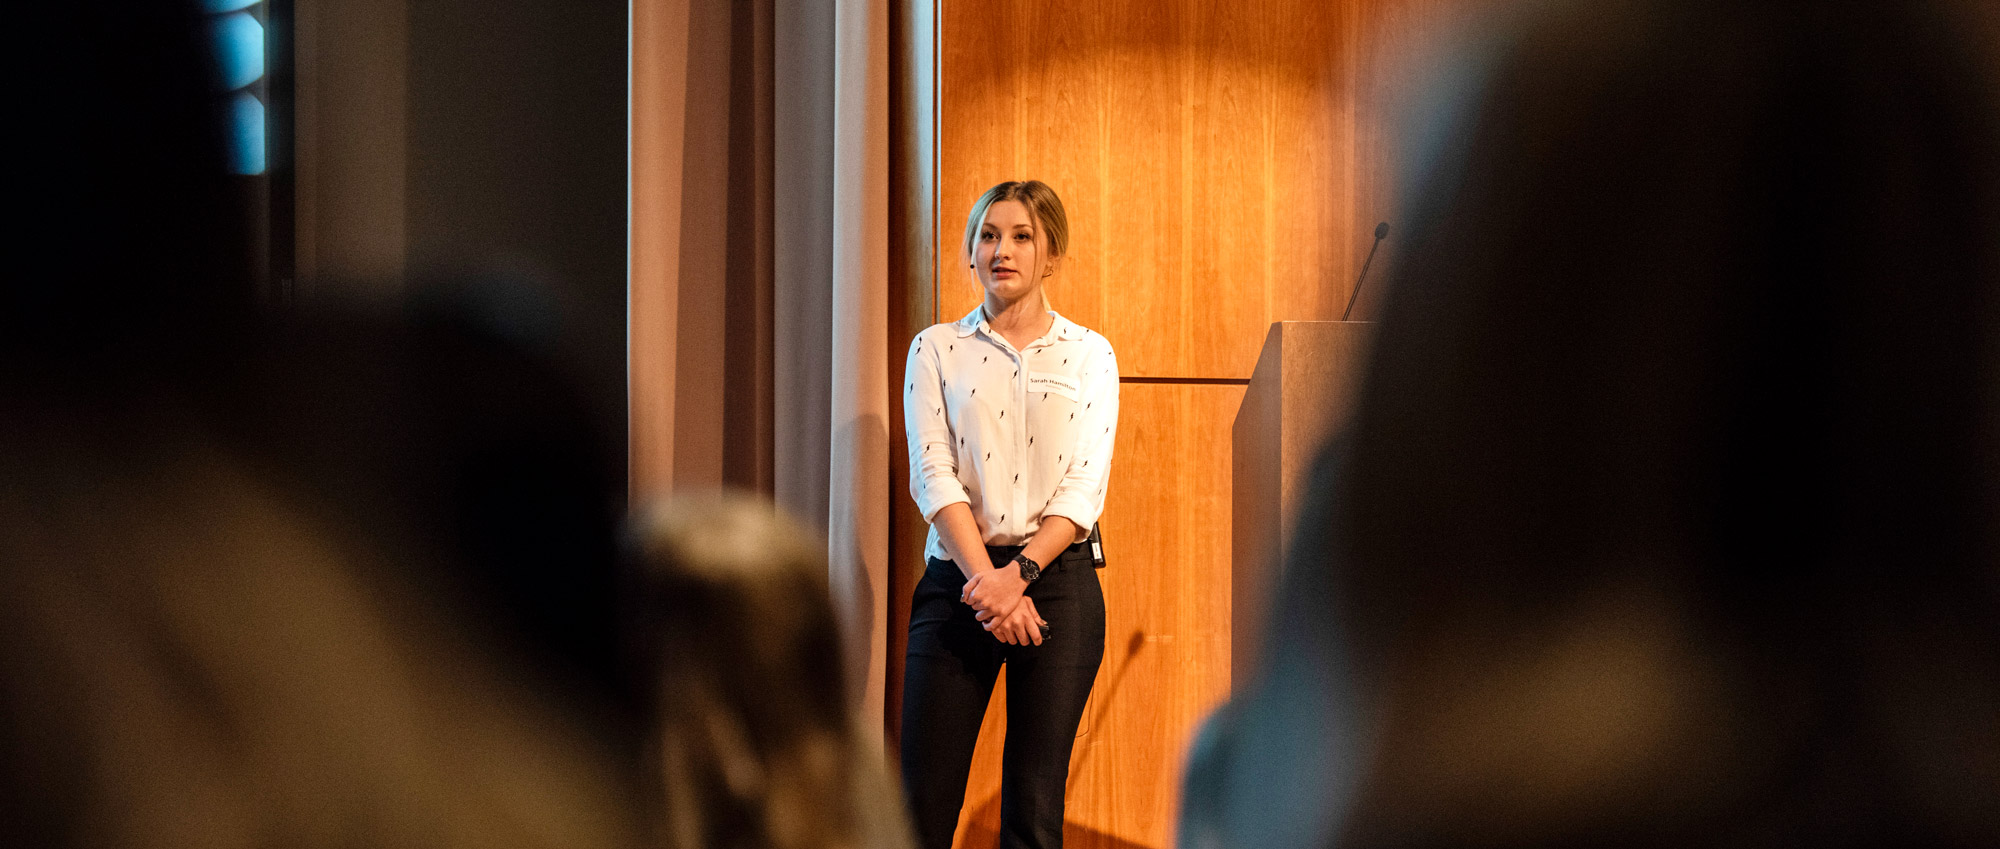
1299, 392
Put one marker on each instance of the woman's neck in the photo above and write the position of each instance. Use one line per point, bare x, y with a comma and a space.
1022, 321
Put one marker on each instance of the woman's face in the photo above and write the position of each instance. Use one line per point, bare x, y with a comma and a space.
1008, 256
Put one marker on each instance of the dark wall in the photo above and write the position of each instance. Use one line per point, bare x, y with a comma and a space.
516, 187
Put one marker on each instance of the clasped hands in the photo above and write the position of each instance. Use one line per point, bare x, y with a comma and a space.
999, 601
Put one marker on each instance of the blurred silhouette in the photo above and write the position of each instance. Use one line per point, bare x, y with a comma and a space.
1669, 514
191, 654
301, 580
757, 744
442, 435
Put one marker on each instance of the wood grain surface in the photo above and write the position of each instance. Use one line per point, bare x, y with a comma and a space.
1204, 152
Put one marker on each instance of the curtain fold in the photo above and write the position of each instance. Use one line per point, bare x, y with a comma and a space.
656, 138
858, 464
760, 309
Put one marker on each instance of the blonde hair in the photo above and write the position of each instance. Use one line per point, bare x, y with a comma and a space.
1044, 209
756, 745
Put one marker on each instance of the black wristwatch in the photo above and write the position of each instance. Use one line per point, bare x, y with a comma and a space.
1030, 570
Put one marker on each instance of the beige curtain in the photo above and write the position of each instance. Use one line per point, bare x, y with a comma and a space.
858, 462
759, 276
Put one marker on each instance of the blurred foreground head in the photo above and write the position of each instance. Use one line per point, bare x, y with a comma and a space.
199, 644
192, 656
757, 744
1667, 514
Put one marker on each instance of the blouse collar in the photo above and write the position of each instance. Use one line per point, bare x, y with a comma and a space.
1063, 330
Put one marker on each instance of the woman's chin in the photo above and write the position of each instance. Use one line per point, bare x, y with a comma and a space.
1008, 290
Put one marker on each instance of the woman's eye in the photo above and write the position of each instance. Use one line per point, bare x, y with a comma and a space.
1022, 237
986, 237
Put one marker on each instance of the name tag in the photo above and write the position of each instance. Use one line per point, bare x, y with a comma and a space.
1059, 384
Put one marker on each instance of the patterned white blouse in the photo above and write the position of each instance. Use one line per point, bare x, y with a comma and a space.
1018, 435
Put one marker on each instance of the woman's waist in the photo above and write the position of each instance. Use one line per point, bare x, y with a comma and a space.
996, 529
1078, 554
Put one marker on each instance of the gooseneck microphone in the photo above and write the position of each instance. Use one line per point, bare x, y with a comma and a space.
1381, 232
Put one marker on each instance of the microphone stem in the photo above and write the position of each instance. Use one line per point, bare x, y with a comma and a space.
1361, 279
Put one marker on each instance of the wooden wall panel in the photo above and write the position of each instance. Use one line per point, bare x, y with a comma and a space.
1204, 152
1167, 646
1166, 596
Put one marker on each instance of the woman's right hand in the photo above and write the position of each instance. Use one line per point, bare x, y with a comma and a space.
1021, 626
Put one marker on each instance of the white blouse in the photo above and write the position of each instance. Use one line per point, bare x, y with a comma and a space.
1018, 435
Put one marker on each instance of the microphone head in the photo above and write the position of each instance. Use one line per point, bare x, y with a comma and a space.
1382, 231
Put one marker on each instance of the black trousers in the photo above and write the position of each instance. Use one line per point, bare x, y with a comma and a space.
948, 679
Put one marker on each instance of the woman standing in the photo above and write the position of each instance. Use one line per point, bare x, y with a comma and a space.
1011, 413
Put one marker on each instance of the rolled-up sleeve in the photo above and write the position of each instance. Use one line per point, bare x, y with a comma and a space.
934, 479
1080, 496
